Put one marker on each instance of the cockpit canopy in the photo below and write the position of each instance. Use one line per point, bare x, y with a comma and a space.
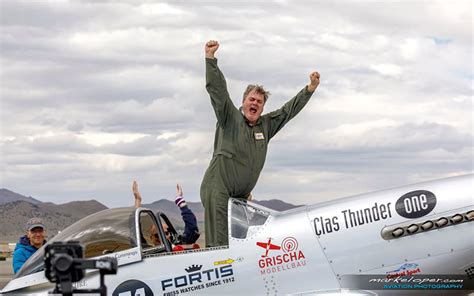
102, 233
246, 218
120, 229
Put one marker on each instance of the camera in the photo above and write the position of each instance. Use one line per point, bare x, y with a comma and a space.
64, 265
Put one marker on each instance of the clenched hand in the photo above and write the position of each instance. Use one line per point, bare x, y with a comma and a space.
314, 81
210, 48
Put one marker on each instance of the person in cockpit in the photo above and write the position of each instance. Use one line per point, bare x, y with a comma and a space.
191, 230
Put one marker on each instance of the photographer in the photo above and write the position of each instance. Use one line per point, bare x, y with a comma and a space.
29, 243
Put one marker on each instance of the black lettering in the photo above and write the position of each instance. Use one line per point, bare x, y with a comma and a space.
316, 222
327, 225
185, 290
352, 218
336, 224
194, 277
208, 272
360, 217
382, 212
165, 284
345, 218
368, 217
375, 212
226, 270
177, 284
214, 283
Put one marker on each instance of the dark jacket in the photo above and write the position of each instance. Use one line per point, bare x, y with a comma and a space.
191, 231
23, 251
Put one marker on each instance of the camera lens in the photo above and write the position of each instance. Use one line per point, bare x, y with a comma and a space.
62, 263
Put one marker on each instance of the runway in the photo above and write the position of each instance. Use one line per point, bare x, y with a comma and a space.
6, 272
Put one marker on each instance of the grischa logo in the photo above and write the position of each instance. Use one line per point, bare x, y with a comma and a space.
278, 258
415, 204
132, 288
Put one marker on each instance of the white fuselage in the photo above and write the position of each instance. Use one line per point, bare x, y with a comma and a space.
313, 248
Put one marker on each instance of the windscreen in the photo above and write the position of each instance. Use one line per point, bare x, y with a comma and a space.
102, 233
246, 219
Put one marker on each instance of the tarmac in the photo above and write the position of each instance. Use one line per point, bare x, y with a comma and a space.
6, 272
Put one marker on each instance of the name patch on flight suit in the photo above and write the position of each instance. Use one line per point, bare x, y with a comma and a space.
259, 136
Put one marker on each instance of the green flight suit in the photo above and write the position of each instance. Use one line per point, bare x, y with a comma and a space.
239, 152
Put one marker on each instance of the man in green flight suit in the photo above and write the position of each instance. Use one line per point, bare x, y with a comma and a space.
240, 143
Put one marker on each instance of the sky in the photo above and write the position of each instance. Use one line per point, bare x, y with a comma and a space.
96, 94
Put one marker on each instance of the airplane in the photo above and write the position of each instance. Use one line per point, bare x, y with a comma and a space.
268, 246
357, 245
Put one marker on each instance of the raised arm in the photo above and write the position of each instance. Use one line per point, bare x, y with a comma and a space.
191, 231
216, 85
136, 194
280, 117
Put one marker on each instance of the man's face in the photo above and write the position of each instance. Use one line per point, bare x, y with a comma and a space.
167, 233
155, 238
36, 236
253, 106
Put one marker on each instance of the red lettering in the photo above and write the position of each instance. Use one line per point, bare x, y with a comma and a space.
301, 255
293, 256
410, 272
268, 261
280, 259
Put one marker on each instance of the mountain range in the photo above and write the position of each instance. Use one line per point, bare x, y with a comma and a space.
16, 209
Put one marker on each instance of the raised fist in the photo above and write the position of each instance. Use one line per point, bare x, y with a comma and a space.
314, 81
210, 48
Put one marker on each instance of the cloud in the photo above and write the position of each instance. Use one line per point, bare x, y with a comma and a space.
94, 95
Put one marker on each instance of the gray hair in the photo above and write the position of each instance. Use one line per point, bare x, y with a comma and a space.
258, 89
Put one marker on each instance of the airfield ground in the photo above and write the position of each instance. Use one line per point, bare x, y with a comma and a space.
6, 272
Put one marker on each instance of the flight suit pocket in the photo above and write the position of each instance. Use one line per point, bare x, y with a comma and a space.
276, 113
224, 153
